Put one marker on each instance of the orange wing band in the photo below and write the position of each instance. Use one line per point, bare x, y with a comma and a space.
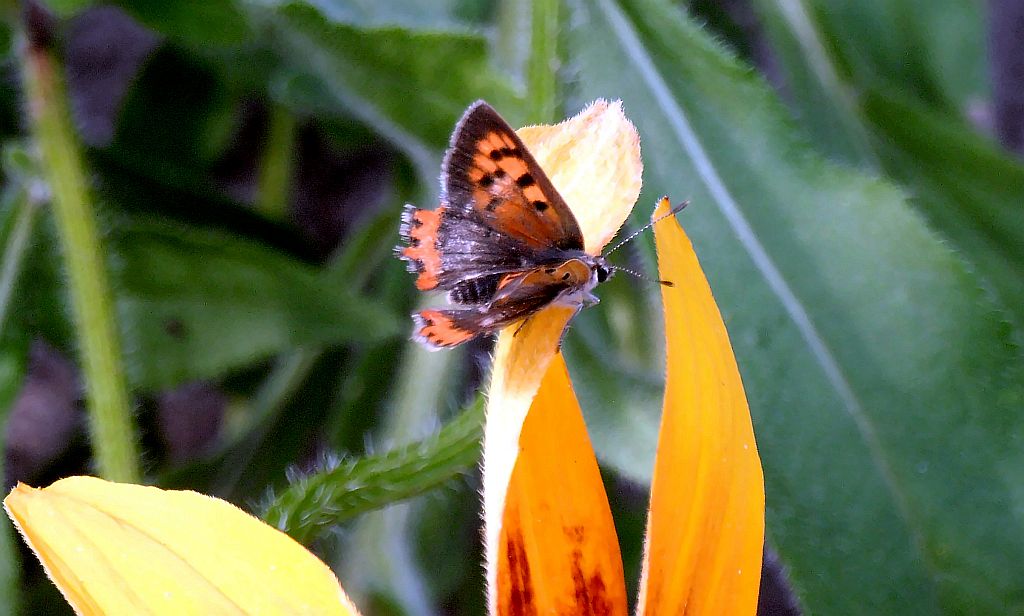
437, 330
422, 229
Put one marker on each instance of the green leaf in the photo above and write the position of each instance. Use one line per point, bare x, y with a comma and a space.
961, 183
439, 15
211, 22
885, 387
16, 221
970, 190
830, 51
934, 50
197, 304
370, 73
319, 501
816, 88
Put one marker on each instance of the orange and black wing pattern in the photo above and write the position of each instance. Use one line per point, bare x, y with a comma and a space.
503, 242
499, 214
489, 173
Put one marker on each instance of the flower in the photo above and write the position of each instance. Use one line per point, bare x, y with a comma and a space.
550, 542
114, 548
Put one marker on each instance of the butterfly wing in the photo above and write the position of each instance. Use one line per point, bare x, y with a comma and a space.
489, 175
461, 255
517, 297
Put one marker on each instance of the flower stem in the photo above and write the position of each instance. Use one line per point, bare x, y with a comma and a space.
528, 46
320, 501
543, 62
113, 436
276, 166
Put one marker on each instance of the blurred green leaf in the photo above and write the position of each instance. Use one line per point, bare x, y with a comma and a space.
884, 382
211, 22
820, 95
176, 120
199, 303
831, 52
371, 73
319, 501
17, 215
966, 188
38, 308
932, 49
439, 15
969, 190
448, 521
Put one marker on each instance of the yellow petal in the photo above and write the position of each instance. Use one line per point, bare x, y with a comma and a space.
557, 549
126, 549
593, 160
706, 526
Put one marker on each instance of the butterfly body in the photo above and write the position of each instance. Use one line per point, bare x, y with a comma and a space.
503, 243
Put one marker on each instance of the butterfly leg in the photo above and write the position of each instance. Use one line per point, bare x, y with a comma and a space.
522, 324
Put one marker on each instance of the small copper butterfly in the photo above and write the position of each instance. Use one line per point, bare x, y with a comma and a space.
503, 243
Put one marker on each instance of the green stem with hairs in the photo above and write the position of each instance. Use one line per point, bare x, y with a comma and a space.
320, 501
114, 442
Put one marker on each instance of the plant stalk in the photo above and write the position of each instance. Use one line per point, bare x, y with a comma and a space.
115, 448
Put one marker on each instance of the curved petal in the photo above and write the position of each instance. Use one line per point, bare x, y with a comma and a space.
593, 159
119, 548
705, 531
557, 549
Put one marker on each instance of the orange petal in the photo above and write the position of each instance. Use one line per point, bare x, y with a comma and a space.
557, 548
593, 159
126, 549
520, 361
706, 527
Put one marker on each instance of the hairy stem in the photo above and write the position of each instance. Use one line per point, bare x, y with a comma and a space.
114, 443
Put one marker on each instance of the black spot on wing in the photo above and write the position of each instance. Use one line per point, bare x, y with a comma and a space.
479, 121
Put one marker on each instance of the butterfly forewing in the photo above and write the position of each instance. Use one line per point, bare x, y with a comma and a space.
489, 174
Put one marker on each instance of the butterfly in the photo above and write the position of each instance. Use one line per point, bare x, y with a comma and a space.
503, 243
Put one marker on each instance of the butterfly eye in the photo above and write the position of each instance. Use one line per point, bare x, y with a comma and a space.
602, 273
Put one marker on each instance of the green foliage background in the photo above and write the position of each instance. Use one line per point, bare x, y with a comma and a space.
864, 239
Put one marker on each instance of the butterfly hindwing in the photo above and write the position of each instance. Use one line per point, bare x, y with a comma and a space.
489, 173
548, 282
440, 329
517, 297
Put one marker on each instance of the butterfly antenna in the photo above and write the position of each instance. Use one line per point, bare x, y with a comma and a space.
667, 283
633, 235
